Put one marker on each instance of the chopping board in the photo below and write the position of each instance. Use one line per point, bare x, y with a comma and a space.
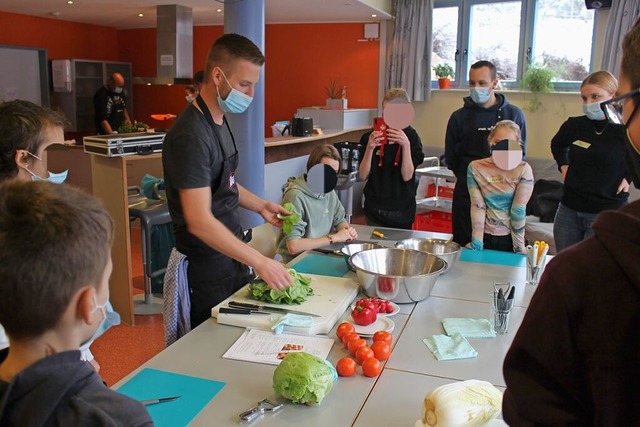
331, 297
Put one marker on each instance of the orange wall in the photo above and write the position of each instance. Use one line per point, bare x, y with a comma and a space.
301, 61
62, 39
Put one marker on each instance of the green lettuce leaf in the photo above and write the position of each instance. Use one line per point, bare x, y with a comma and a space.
295, 294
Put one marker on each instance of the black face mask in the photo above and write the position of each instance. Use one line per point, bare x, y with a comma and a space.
633, 161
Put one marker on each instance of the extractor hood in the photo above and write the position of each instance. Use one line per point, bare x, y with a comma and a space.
174, 46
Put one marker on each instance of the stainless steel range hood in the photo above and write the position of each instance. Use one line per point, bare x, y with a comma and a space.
174, 45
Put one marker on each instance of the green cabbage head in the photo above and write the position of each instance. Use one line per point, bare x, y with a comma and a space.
304, 378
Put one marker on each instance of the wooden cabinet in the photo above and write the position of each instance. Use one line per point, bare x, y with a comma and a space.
86, 78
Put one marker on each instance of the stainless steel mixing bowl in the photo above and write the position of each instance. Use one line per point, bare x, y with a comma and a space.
398, 275
354, 248
445, 249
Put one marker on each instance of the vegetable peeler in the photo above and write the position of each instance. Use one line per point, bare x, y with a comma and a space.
265, 405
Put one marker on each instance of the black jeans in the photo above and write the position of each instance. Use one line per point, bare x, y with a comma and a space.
498, 243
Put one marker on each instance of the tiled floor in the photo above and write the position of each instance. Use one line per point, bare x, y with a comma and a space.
123, 348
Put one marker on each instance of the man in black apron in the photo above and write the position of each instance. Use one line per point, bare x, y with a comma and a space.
466, 138
199, 159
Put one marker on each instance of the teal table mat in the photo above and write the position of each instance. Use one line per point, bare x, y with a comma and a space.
493, 257
323, 265
194, 394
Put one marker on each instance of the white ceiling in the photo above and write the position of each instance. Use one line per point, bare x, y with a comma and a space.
123, 14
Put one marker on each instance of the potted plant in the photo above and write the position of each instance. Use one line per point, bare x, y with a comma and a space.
538, 80
336, 96
444, 72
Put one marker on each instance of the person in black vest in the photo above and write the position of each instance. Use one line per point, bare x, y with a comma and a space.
200, 158
110, 106
466, 138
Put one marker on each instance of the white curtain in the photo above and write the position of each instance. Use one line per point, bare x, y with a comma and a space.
410, 53
622, 15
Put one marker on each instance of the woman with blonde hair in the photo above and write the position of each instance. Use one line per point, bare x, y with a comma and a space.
590, 154
322, 216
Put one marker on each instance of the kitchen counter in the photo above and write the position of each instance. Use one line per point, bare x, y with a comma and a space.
395, 397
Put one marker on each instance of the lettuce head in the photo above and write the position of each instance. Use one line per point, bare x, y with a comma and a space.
304, 378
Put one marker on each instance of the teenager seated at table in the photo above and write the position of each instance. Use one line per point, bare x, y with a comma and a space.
322, 216
55, 246
500, 187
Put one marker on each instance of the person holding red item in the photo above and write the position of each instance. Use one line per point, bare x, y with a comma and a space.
389, 168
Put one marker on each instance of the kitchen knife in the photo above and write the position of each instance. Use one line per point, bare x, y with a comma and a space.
159, 400
247, 306
237, 310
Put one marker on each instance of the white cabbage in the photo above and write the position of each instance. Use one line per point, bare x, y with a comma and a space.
461, 404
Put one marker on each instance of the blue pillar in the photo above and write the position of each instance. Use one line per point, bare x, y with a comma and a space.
247, 18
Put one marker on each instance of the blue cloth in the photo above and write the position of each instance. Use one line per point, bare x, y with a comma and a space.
469, 328
325, 265
176, 310
493, 257
450, 348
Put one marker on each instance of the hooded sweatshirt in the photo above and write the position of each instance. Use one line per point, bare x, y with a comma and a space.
576, 358
61, 390
469, 127
319, 213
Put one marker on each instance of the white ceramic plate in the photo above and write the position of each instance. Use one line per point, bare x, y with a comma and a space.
383, 323
396, 309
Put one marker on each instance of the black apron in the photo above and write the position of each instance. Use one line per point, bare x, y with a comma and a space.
214, 276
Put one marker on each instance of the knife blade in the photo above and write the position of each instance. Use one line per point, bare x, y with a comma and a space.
244, 305
238, 310
159, 400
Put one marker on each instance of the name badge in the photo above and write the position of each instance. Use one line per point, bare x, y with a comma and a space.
232, 180
495, 179
582, 144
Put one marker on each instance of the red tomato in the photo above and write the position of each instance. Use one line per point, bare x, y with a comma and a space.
383, 336
346, 367
348, 337
371, 367
344, 328
381, 349
353, 345
362, 354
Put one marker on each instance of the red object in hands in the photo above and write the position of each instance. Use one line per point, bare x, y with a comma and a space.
364, 315
380, 126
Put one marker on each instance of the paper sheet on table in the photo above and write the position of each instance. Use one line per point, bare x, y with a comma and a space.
493, 257
256, 345
323, 265
195, 393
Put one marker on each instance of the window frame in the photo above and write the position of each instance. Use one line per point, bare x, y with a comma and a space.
525, 47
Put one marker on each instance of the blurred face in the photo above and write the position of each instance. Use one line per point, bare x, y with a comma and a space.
333, 163
481, 77
591, 93
243, 76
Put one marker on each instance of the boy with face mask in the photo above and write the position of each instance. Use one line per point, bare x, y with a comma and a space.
500, 187
53, 299
466, 137
575, 359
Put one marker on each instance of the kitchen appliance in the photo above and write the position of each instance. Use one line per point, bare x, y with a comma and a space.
302, 126
124, 144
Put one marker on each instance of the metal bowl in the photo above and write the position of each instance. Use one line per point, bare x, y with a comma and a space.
446, 249
354, 248
398, 275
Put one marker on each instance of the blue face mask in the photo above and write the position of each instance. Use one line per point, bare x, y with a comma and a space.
480, 95
56, 178
593, 111
236, 102
109, 318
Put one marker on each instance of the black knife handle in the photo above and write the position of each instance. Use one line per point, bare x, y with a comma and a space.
243, 305
227, 310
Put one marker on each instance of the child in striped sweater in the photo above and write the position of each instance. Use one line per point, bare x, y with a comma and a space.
500, 187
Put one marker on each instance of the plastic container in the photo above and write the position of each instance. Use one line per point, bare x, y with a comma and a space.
435, 221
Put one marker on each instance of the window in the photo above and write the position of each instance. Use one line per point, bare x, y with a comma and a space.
514, 34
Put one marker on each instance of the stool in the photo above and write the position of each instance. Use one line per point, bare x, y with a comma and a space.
150, 212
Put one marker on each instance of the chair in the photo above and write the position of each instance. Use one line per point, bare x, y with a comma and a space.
264, 240
150, 212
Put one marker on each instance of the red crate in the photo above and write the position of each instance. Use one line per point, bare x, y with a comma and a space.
434, 221
443, 191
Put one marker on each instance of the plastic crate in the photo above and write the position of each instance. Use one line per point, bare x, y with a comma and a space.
434, 221
444, 191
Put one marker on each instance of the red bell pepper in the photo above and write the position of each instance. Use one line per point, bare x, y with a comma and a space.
364, 315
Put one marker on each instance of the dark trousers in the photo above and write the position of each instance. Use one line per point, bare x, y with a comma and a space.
498, 243
212, 279
461, 213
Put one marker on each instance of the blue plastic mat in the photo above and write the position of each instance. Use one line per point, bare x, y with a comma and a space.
195, 393
493, 257
323, 265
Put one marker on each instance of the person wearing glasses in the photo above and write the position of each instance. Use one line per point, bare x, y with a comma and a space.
575, 361
589, 152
